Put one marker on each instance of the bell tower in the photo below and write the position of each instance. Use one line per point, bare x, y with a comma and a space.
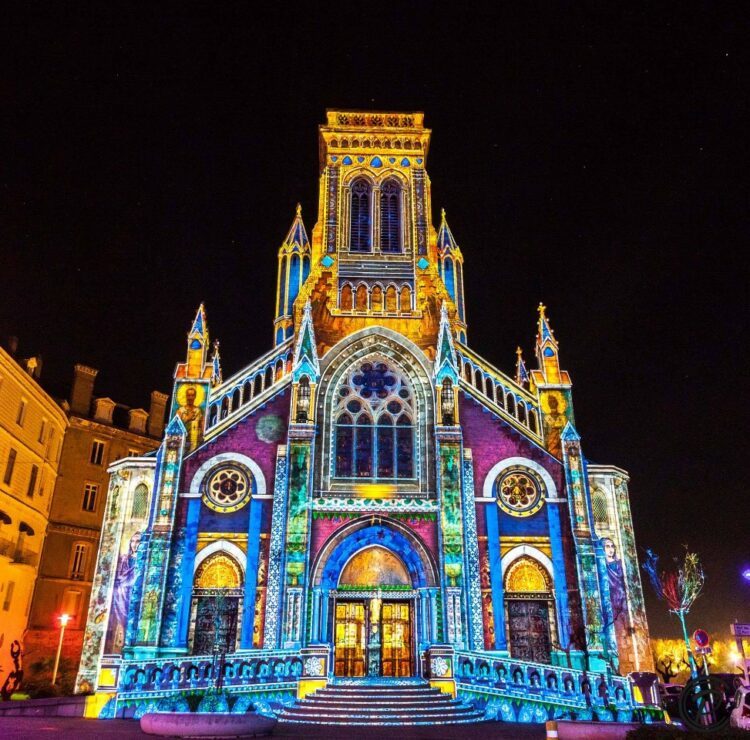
374, 249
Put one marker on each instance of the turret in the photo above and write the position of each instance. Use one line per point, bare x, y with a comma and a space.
451, 265
305, 371
446, 373
192, 381
552, 385
197, 348
294, 267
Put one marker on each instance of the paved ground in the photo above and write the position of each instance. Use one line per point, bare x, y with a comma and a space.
38, 728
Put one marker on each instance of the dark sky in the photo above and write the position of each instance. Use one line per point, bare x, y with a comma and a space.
593, 159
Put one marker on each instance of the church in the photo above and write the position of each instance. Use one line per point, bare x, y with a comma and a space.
370, 499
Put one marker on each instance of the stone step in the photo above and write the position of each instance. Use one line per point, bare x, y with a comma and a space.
358, 701
447, 718
380, 704
377, 710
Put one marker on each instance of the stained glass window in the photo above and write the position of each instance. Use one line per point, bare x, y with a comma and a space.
374, 424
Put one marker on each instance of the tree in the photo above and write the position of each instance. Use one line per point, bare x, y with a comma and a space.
669, 659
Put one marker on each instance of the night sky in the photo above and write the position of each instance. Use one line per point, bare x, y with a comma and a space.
594, 160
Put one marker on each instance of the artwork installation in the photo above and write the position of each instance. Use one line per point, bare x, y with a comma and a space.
370, 499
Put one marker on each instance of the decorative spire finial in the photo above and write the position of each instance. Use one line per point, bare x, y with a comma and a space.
542, 308
519, 352
442, 214
299, 209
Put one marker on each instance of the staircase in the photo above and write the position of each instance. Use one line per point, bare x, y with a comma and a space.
366, 703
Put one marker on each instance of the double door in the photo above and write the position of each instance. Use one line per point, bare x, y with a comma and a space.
528, 625
373, 638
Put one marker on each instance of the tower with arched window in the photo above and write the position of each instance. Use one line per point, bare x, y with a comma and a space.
372, 498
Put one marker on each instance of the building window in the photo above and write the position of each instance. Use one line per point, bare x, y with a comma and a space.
97, 452
374, 428
78, 561
139, 509
9, 467
32, 481
8, 595
21, 416
133, 453
360, 217
89, 496
390, 217
42, 430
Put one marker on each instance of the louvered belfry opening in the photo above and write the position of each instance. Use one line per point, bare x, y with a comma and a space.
360, 217
390, 217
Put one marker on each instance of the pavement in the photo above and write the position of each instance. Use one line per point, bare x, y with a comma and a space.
13, 728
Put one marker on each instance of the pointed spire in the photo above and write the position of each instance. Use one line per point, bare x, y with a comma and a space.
547, 349
305, 351
216, 376
445, 357
445, 240
522, 375
199, 324
544, 332
297, 235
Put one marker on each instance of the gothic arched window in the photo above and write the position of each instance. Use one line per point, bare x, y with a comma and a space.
374, 424
360, 217
390, 217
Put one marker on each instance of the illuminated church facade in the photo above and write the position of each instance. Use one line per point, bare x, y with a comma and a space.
371, 490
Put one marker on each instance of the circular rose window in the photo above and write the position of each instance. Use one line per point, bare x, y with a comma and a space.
519, 492
227, 489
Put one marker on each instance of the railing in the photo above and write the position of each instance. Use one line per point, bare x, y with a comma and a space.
504, 395
203, 671
552, 683
256, 381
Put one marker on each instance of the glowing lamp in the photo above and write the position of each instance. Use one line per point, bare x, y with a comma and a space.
64, 619
746, 574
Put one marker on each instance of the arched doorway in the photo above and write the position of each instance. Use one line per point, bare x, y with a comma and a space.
217, 591
530, 609
373, 628
375, 598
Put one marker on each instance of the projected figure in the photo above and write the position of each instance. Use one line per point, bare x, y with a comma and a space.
616, 581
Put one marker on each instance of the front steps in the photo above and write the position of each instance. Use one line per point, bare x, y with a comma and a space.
380, 704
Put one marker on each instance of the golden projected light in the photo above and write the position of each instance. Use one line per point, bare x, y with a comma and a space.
374, 566
375, 490
182, 391
218, 571
526, 575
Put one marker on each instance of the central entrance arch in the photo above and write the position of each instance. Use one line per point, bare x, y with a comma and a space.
376, 582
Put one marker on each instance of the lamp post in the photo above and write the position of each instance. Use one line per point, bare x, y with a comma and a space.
64, 619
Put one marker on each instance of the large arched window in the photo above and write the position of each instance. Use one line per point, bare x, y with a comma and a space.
374, 424
360, 216
390, 217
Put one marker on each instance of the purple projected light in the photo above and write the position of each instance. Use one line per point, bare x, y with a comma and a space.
746, 574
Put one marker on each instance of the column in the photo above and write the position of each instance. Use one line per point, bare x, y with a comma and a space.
496, 575
251, 574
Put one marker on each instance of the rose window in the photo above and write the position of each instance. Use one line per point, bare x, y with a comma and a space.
519, 492
228, 489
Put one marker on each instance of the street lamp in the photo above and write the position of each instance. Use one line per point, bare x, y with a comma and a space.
64, 619
746, 574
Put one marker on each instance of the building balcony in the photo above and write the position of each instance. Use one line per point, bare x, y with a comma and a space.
25, 556
7, 548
